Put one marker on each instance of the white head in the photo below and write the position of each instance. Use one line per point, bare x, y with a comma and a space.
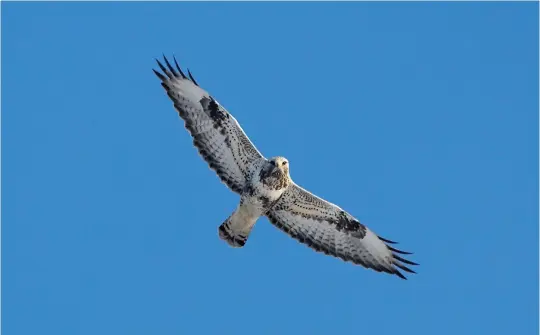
280, 164
276, 168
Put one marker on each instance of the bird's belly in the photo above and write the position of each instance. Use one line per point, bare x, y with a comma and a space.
263, 198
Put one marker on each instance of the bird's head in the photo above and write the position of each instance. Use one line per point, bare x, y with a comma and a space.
278, 166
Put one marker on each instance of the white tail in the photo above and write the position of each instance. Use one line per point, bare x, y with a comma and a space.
235, 230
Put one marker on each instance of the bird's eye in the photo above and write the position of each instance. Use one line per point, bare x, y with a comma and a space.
284, 163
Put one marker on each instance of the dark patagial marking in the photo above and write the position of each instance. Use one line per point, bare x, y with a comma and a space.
215, 112
350, 225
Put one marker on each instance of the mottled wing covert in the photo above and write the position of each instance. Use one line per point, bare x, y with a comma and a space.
217, 135
327, 228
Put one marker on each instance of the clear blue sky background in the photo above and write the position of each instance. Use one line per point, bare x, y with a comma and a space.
420, 119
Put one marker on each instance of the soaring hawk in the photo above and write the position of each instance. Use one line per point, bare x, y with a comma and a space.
266, 188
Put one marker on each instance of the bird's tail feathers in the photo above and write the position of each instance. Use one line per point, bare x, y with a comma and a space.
235, 230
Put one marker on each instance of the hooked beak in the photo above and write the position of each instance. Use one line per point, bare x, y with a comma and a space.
273, 171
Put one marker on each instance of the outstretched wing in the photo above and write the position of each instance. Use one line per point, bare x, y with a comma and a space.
327, 228
216, 134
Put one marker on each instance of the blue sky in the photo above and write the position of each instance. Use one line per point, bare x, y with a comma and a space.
420, 119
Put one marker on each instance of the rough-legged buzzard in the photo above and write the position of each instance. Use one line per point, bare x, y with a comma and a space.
266, 188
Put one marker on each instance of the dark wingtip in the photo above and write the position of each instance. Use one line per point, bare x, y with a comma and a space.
386, 240
169, 66
159, 75
403, 267
398, 258
164, 69
404, 260
400, 275
191, 77
178, 68
399, 251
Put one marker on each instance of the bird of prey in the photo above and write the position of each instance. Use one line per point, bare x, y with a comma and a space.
265, 185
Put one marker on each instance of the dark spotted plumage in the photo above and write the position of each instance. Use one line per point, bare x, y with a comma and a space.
265, 185
274, 179
265, 201
216, 134
327, 228
349, 225
218, 115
